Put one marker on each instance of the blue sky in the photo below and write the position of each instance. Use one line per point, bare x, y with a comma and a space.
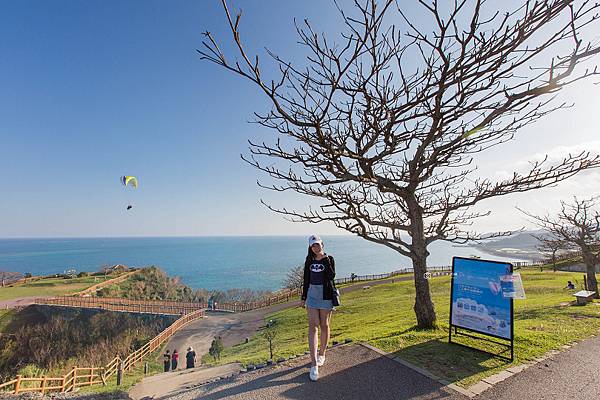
92, 90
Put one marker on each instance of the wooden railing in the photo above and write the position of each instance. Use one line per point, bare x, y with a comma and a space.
113, 281
287, 295
124, 305
89, 376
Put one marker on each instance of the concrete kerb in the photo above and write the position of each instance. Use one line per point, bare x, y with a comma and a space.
480, 386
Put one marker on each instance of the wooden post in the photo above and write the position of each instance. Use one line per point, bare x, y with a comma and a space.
18, 384
119, 373
74, 382
91, 376
146, 368
43, 384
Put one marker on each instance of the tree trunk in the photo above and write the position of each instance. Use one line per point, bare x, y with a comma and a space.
423, 305
588, 259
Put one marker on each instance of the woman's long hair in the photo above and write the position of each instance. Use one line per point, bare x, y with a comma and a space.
311, 255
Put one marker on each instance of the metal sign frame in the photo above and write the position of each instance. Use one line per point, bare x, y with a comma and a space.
457, 327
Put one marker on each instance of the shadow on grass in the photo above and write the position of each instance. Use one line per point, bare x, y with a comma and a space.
453, 362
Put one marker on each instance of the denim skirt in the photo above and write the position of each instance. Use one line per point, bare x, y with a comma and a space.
314, 298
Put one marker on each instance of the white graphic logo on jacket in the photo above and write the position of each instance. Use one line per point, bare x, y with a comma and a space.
317, 267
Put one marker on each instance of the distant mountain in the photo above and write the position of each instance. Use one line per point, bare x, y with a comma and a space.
521, 245
522, 240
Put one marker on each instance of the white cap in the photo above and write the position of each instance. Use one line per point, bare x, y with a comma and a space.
314, 239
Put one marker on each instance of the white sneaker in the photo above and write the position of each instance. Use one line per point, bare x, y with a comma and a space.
314, 373
320, 361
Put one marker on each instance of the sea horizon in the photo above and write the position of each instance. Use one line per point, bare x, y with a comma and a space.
219, 262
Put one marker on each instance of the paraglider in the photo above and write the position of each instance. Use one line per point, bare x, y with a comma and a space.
130, 181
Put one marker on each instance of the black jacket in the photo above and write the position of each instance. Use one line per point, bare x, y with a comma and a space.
328, 283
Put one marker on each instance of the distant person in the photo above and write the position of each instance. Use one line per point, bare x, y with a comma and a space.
317, 296
570, 285
167, 360
190, 358
174, 360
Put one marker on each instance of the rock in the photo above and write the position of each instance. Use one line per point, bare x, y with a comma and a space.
335, 342
280, 359
262, 365
347, 340
269, 362
250, 367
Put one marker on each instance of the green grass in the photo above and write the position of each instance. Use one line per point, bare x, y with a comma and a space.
383, 317
49, 287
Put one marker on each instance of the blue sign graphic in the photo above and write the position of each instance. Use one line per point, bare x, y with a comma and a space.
478, 302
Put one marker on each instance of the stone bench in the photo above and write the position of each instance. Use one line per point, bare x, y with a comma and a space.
584, 296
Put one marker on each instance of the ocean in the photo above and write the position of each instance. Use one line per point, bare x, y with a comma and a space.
214, 263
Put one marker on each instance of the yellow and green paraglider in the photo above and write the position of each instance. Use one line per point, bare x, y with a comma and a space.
130, 181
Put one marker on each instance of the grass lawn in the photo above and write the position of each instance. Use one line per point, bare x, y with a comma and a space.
383, 317
50, 287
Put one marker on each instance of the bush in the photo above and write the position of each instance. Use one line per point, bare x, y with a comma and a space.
83, 274
32, 371
216, 348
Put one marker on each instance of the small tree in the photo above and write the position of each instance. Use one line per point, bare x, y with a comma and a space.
270, 334
577, 224
294, 278
384, 127
216, 348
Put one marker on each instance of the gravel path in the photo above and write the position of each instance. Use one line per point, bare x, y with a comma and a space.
350, 372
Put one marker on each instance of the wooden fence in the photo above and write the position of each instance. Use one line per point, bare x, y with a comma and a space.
93, 289
287, 295
89, 376
124, 305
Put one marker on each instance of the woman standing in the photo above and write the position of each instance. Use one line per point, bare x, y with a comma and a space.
190, 358
317, 295
174, 360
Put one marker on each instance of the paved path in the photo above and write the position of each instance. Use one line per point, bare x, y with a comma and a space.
572, 374
350, 372
20, 302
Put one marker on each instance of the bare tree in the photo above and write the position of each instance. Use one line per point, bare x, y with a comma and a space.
578, 225
383, 127
552, 245
270, 334
294, 278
